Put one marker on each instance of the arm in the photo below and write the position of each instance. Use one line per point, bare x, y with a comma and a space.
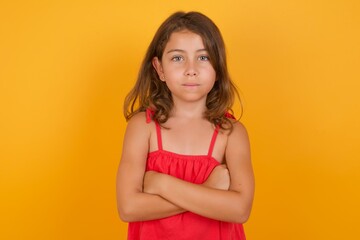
233, 205
133, 203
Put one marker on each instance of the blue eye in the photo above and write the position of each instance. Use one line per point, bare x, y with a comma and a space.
204, 58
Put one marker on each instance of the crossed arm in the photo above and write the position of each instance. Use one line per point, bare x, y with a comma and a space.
226, 195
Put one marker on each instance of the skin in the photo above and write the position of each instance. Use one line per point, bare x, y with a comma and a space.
227, 195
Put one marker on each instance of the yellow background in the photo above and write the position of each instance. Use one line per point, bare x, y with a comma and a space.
65, 67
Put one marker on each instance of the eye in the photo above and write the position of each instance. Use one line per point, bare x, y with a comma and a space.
204, 58
177, 58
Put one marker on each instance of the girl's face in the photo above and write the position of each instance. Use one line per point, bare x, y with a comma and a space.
185, 67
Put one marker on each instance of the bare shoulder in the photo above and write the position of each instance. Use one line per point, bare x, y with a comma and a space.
238, 157
138, 130
138, 124
239, 130
238, 133
138, 120
238, 141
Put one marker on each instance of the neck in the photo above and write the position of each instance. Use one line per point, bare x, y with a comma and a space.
188, 110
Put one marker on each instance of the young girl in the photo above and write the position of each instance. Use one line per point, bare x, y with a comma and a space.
185, 171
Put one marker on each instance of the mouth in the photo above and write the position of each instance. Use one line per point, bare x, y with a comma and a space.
191, 84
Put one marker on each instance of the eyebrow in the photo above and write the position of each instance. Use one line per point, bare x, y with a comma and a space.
180, 50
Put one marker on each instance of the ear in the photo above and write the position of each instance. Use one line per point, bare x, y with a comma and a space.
158, 67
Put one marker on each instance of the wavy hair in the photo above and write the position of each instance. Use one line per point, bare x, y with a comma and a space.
150, 92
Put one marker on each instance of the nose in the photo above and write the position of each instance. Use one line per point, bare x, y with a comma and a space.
191, 69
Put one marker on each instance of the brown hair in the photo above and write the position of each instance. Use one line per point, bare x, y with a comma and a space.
150, 92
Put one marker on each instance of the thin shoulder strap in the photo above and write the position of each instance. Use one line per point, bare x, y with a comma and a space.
213, 140
149, 114
216, 131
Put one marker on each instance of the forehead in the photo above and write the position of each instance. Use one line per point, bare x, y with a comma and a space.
184, 40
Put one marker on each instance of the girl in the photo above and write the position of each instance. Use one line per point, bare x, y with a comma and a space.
172, 181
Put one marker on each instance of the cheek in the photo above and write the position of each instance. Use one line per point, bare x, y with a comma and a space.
211, 73
172, 71
209, 68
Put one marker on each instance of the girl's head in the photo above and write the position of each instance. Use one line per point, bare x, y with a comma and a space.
150, 91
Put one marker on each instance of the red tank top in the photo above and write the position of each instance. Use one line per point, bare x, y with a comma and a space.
184, 226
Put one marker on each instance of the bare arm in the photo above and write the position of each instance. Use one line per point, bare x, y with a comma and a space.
233, 205
133, 203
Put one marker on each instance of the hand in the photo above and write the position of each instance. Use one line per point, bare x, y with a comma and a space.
151, 182
219, 178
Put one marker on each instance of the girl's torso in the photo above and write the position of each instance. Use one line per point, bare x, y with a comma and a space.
188, 167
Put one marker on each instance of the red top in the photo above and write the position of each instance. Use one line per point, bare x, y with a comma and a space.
184, 226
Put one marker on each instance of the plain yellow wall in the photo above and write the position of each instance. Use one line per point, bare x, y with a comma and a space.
65, 67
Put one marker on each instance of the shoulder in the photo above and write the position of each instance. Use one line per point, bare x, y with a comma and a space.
238, 129
138, 124
238, 137
238, 153
138, 119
